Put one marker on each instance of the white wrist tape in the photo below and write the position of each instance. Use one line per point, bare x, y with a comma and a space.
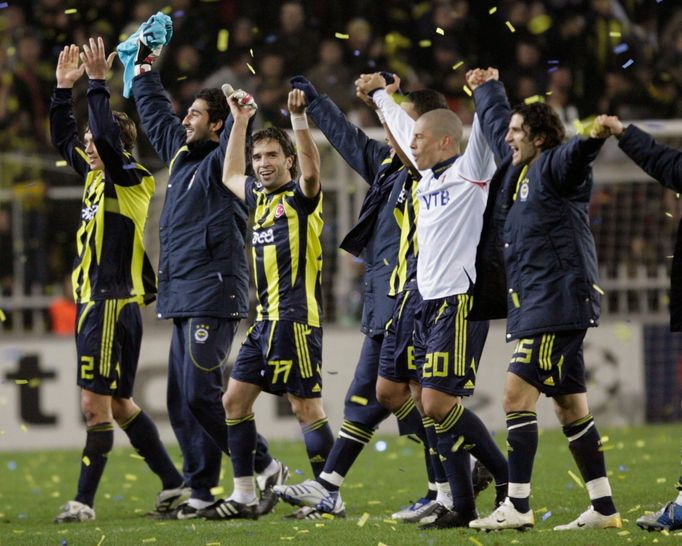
299, 122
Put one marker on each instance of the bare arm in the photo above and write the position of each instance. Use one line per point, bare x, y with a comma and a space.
234, 168
308, 155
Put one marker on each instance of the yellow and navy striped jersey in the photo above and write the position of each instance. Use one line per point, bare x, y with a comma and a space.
287, 253
405, 212
111, 262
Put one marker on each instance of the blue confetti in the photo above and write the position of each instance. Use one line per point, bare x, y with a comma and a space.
11, 465
271, 39
622, 468
129, 167
298, 472
63, 542
552, 61
553, 69
629, 63
117, 498
284, 112
3, 5
546, 516
179, 13
621, 48
356, 52
21, 516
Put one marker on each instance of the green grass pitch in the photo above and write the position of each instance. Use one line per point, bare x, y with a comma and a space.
644, 463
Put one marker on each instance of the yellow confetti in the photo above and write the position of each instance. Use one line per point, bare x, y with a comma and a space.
661, 480
390, 521
669, 215
533, 99
131, 477
634, 509
623, 533
363, 519
492, 10
251, 52
457, 65
640, 443
122, 37
467, 90
23, 428
424, 43
60, 163
541, 510
302, 531
55, 478
476, 541
181, 78
212, 543
598, 289
341, 36
136, 456
152, 539
223, 39
371, 502
440, 31
217, 490
510, 26
576, 479
614, 34
101, 540
251, 69
70, 11
21, 381
319, 525
86, 460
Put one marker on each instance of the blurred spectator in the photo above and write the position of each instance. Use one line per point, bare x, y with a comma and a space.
331, 76
62, 311
294, 41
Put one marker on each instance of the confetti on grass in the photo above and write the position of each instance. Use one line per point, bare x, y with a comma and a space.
546, 516
576, 479
217, 490
475, 541
101, 540
363, 519
341, 36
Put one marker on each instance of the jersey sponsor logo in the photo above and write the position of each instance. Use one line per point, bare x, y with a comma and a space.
88, 213
402, 196
279, 210
263, 237
436, 199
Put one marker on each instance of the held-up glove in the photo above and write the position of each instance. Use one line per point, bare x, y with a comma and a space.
304, 84
143, 47
243, 98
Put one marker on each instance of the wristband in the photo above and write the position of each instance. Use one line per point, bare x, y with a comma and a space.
380, 115
299, 122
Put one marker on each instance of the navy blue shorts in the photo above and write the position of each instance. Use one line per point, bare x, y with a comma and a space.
447, 346
397, 362
108, 339
361, 405
552, 363
282, 356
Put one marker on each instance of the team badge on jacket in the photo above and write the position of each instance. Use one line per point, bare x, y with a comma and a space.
279, 210
201, 333
523, 190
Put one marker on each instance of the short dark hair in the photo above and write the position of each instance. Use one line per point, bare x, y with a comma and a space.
425, 100
216, 103
275, 133
127, 128
540, 119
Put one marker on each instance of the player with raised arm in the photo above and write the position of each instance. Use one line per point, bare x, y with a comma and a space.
203, 276
112, 277
452, 193
538, 216
664, 164
282, 353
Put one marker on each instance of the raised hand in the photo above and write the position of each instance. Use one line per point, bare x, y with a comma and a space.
305, 85
94, 59
68, 69
491, 74
369, 82
239, 108
475, 77
296, 102
612, 124
394, 86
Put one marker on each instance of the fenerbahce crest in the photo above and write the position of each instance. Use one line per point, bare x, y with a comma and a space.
523, 190
201, 333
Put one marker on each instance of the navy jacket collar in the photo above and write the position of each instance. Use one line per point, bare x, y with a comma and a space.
441, 167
